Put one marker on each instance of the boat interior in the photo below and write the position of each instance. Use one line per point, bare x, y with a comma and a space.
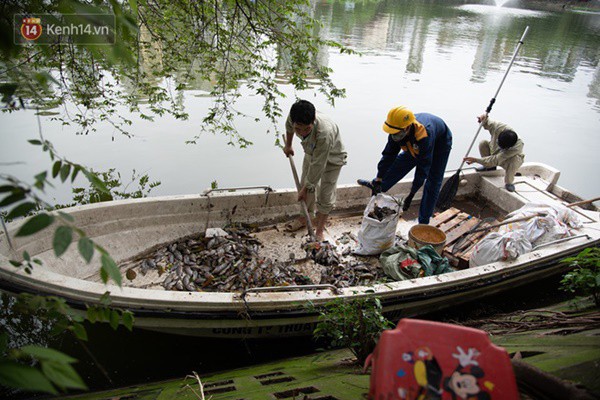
130, 229
483, 202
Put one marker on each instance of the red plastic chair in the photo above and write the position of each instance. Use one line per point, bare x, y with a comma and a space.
432, 360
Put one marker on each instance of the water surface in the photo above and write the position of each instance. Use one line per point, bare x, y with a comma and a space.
433, 57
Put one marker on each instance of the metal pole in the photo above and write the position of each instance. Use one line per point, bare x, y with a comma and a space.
493, 100
6, 233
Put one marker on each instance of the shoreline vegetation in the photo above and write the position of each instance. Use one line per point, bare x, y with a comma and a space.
556, 5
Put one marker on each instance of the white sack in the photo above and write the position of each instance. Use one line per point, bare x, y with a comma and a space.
554, 225
498, 246
374, 236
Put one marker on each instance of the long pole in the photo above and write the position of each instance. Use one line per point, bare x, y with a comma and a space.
311, 231
493, 100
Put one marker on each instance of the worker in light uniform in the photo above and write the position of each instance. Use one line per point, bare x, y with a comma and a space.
504, 149
324, 157
422, 141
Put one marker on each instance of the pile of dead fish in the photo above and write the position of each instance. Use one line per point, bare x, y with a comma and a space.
380, 213
353, 273
220, 263
321, 252
230, 261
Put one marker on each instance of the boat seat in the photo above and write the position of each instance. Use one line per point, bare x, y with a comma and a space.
427, 359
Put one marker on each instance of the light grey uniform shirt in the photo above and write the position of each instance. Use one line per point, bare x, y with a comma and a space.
323, 146
497, 155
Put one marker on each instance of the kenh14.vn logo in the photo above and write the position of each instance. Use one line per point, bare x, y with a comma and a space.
31, 28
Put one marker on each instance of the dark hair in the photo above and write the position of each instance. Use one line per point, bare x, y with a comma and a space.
302, 112
507, 139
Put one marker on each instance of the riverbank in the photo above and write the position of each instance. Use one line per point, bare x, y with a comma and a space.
561, 341
556, 5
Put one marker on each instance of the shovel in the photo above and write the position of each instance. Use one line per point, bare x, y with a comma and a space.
321, 252
311, 232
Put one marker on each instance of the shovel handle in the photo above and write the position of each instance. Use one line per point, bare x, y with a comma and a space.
580, 203
510, 221
309, 226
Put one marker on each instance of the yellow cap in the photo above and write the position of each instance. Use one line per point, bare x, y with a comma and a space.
398, 118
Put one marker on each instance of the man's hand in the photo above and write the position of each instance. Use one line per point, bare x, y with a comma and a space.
288, 150
302, 194
470, 160
482, 118
407, 201
376, 187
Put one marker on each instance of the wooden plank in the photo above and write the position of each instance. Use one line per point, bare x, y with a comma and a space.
471, 239
454, 261
456, 233
444, 216
454, 222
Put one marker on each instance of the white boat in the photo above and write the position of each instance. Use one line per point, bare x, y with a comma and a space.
129, 227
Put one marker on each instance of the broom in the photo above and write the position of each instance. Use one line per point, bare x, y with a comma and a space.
450, 188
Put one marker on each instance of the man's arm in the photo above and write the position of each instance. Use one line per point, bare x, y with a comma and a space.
389, 154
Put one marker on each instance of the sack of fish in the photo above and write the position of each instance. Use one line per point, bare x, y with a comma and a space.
378, 229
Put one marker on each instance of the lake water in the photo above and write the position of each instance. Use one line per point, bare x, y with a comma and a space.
431, 56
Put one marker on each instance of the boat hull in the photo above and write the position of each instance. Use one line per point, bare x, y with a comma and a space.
126, 228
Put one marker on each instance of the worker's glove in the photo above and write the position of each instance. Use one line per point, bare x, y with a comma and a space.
374, 185
407, 201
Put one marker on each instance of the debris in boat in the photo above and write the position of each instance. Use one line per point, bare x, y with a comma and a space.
321, 252
130, 274
380, 213
231, 262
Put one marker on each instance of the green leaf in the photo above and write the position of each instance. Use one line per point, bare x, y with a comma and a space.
46, 354
56, 168
79, 331
62, 375
134, 7
21, 210
64, 172
35, 224
7, 188
114, 319
13, 198
92, 314
86, 248
23, 377
35, 142
127, 317
95, 181
111, 269
76, 170
62, 239
67, 217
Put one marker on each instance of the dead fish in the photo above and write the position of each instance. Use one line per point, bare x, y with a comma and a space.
130, 274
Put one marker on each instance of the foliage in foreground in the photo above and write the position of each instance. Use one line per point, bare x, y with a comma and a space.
36, 367
354, 324
584, 279
224, 49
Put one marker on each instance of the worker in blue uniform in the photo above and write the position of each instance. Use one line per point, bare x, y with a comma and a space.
420, 140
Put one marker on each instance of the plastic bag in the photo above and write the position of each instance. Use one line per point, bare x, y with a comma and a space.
375, 236
554, 225
404, 262
498, 246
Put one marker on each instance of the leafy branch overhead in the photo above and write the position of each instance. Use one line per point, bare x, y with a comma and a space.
220, 47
